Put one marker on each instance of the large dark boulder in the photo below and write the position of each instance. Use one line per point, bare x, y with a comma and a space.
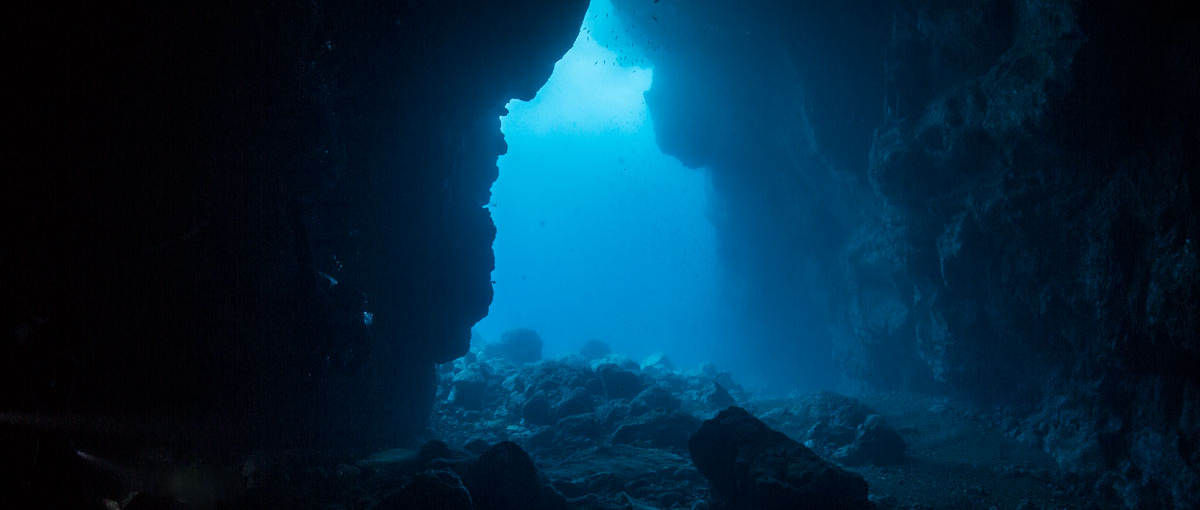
504, 478
576, 401
751, 466
875, 443
836, 409
518, 346
595, 349
431, 490
469, 386
618, 382
846, 430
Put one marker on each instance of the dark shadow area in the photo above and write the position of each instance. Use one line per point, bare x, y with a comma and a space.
245, 245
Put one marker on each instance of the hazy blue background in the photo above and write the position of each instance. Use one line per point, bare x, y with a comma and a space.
600, 235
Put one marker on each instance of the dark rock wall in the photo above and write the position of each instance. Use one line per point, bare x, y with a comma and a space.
989, 198
185, 181
992, 197
741, 89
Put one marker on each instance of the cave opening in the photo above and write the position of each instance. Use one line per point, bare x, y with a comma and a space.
941, 255
601, 236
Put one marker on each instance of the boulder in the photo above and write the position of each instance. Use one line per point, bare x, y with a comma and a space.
829, 436
552, 377
848, 431
437, 489
655, 397
839, 411
434, 449
476, 445
576, 401
517, 346
148, 501
618, 382
658, 363
583, 429
537, 411
398, 459
346, 473
595, 349
505, 478
615, 359
612, 413
572, 360
658, 429
725, 379
469, 386
749, 466
875, 444
595, 387
718, 397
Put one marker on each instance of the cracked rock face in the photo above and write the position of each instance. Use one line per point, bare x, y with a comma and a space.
1013, 218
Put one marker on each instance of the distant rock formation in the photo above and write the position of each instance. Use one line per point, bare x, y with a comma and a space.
516, 346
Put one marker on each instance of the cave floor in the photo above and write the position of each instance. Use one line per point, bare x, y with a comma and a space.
603, 453
957, 457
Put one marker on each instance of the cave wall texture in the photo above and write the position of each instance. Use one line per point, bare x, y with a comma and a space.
187, 179
989, 198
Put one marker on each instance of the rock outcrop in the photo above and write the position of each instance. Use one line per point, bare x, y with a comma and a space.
434, 489
517, 346
504, 478
260, 221
750, 466
988, 198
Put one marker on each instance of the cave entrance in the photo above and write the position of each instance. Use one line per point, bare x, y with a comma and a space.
599, 234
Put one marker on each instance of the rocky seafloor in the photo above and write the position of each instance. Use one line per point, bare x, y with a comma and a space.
597, 430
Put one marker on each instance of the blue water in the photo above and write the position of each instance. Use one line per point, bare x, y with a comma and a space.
600, 235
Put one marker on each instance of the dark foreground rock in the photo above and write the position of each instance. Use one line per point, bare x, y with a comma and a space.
750, 466
505, 478
437, 477
619, 382
436, 489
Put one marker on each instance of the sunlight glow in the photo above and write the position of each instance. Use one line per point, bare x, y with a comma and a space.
599, 234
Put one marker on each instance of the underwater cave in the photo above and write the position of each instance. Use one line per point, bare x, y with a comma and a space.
605, 254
